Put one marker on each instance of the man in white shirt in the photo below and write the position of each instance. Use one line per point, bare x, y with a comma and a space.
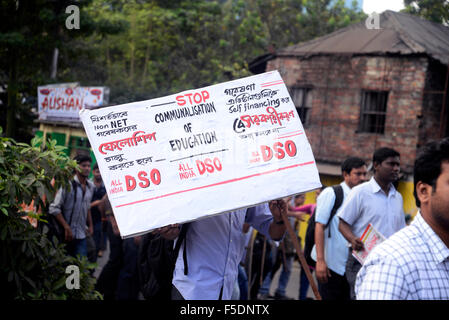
376, 202
214, 248
331, 251
414, 263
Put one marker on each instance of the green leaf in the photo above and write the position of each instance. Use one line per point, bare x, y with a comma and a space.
40, 189
31, 282
59, 283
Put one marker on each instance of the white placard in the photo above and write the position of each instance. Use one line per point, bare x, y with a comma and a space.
201, 152
64, 103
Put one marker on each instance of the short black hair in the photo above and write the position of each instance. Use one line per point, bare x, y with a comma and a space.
428, 162
351, 163
95, 166
80, 158
382, 154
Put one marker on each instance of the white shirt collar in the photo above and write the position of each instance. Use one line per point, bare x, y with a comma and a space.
345, 187
376, 188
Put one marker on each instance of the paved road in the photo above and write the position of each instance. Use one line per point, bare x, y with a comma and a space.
102, 261
292, 290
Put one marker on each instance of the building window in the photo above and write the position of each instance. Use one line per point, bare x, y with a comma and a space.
373, 111
302, 98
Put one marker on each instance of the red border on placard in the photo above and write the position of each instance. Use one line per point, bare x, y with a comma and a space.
272, 83
217, 184
293, 135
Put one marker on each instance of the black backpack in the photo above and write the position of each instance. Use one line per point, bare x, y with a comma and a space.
309, 240
156, 263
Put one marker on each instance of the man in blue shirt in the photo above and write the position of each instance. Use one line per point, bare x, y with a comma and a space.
377, 202
214, 247
331, 251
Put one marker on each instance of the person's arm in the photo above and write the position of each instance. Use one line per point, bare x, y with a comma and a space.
110, 215
246, 227
99, 203
322, 272
277, 227
114, 225
170, 232
345, 230
297, 214
289, 202
90, 224
307, 208
56, 210
102, 207
68, 236
348, 216
96, 203
325, 202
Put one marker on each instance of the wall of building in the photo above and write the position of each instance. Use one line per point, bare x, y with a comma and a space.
337, 83
433, 102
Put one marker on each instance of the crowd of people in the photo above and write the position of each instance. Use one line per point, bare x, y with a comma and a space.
236, 255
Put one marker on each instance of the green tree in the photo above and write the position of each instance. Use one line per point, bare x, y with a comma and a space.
31, 33
433, 10
325, 16
257, 25
32, 267
178, 45
170, 46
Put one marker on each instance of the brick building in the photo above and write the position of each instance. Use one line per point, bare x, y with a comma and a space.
358, 89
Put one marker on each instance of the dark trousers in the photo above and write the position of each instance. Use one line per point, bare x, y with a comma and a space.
128, 279
119, 278
107, 281
98, 233
303, 284
352, 268
243, 283
77, 247
257, 264
175, 294
336, 288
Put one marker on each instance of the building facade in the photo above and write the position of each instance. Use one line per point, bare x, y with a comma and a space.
359, 89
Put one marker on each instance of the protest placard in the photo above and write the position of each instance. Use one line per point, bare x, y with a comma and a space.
200, 152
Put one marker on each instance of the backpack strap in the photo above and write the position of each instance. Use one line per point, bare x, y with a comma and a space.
75, 188
181, 238
338, 190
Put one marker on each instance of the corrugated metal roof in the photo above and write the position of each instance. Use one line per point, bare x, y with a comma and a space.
399, 33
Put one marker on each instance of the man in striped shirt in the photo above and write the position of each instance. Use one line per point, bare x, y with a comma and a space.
413, 264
